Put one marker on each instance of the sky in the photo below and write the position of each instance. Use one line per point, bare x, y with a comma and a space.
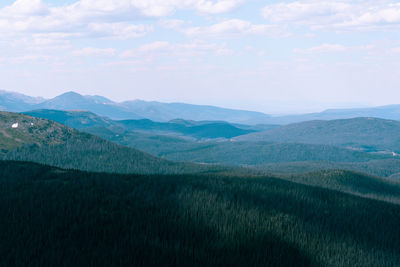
271, 56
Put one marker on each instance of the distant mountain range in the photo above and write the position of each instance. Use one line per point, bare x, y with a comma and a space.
10, 101
137, 109
164, 112
390, 112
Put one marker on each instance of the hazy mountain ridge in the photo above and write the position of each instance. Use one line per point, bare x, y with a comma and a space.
168, 111
163, 112
389, 112
11, 101
96, 104
139, 109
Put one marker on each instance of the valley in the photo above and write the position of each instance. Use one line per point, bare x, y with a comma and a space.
308, 146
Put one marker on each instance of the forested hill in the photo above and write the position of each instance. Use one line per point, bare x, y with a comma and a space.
361, 133
85, 120
25, 138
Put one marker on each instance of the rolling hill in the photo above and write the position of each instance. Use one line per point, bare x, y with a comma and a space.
84, 120
379, 167
277, 158
206, 130
368, 134
25, 138
258, 153
74, 118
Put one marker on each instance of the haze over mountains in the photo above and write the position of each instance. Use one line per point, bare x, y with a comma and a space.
163, 112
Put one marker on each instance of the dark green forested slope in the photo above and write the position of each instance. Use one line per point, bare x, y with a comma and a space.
351, 182
54, 217
381, 167
256, 153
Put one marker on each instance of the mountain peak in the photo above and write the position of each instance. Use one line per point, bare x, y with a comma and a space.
69, 95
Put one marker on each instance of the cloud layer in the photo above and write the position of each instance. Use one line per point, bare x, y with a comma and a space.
336, 15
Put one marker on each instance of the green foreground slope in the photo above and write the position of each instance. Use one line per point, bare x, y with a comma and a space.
51, 143
68, 218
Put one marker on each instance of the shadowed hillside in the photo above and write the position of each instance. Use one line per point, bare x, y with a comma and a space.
56, 217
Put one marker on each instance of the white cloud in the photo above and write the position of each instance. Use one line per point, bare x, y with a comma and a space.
172, 23
252, 49
303, 11
28, 58
324, 48
91, 51
395, 50
167, 49
336, 15
216, 7
232, 28
119, 30
26, 7
332, 48
156, 46
98, 18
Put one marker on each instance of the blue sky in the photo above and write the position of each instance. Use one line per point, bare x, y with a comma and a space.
271, 56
